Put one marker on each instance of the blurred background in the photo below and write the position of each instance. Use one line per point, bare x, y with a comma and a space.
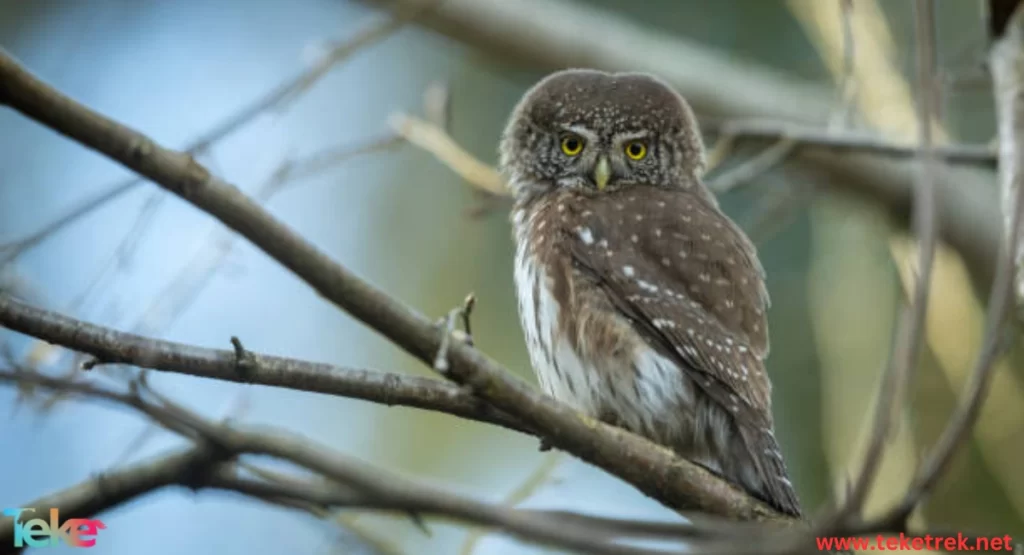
147, 262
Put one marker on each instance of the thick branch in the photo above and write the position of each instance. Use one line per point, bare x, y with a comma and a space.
344, 482
565, 33
1006, 61
109, 490
651, 468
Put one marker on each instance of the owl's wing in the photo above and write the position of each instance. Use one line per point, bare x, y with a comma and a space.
691, 283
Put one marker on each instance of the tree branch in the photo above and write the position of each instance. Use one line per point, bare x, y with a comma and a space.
553, 34
907, 347
859, 142
1006, 61
112, 346
276, 98
653, 469
351, 484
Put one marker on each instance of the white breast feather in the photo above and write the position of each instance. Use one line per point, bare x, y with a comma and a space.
664, 392
539, 319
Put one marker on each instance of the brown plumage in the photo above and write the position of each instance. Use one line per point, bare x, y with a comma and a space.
641, 302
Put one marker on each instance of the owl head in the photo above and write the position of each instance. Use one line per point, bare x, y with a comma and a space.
595, 132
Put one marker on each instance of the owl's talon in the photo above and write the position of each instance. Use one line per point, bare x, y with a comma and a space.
545, 445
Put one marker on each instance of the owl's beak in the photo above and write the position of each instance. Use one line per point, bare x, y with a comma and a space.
602, 172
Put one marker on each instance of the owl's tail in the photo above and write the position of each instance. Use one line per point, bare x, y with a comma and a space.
776, 488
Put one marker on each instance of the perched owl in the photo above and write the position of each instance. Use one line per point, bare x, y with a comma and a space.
643, 305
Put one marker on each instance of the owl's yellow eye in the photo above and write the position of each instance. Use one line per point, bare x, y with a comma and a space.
572, 145
636, 150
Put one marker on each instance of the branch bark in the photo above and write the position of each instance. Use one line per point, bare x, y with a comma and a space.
1006, 61
342, 482
112, 346
653, 469
93, 496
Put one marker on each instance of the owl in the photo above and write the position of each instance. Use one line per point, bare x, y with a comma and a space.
642, 304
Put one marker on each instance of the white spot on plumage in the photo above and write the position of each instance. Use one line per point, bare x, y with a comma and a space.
628, 270
647, 286
585, 235
662, 323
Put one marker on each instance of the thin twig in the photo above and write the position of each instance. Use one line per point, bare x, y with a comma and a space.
275, 99
436, 141
750, 169
995, 342
849, 141
903, 361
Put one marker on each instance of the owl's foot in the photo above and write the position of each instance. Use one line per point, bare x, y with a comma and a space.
545, 445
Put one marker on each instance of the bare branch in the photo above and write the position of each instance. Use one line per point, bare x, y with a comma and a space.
1006, 61
655, 470
554, 34
353, 484
274, 99
111, 346
436, 141
854, 141
111, 489
907, 347
752, 168
1003, 288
